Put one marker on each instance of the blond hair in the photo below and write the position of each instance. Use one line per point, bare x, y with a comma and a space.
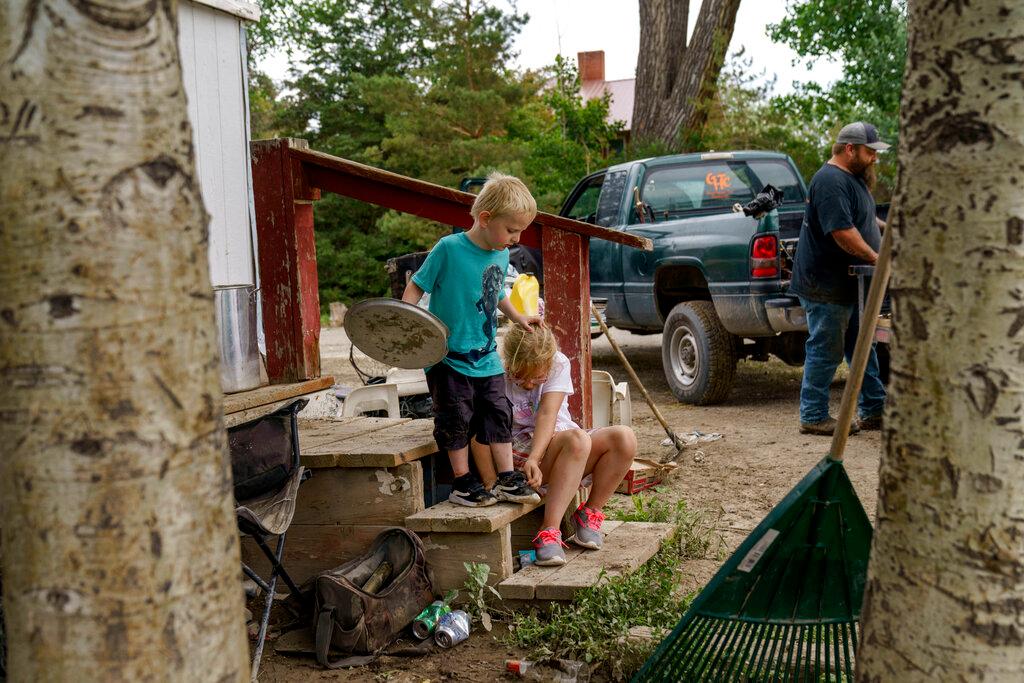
503, 195
524, 350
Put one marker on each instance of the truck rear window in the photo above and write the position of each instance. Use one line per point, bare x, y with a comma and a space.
677, 190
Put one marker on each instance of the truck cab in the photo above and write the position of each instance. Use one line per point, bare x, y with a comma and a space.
715, 283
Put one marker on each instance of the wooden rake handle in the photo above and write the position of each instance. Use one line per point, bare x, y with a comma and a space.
862, 350
636, 380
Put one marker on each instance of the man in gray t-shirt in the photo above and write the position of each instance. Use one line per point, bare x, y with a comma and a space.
839, 230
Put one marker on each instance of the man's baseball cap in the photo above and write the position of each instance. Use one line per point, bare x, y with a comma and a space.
861, 133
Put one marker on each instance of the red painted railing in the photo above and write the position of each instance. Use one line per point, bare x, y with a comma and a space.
288, 177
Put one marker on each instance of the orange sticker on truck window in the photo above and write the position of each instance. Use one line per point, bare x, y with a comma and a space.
718, 184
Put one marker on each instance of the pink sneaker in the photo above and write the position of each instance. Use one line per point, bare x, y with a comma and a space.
548, 545
588, 528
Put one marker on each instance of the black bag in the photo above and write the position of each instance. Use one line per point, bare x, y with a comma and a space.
263, 452
361, 623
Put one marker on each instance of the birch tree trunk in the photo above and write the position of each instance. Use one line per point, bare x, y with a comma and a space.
675, 80
945, 597
120, 552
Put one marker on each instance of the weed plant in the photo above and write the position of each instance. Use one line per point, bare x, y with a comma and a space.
594, 627
477, 589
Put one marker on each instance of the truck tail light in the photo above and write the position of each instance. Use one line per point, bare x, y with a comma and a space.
764, 257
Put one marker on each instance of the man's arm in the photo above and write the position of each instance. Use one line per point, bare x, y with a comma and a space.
850, 241
881, 224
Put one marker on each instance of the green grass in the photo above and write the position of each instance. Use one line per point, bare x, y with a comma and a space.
594, 627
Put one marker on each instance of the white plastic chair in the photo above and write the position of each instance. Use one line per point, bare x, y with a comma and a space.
410, 382
372, 397
606, 394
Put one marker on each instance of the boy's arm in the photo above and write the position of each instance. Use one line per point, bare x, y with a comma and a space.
524, 321
412, 294
543, 431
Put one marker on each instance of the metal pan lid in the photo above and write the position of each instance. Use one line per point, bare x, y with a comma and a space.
395, 333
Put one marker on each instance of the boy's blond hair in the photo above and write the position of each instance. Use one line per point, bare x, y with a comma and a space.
524, 351
503, 195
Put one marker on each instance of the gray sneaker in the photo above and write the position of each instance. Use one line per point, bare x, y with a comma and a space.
548, 546
588, 528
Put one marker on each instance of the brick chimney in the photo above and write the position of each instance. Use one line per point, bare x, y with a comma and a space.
591, 65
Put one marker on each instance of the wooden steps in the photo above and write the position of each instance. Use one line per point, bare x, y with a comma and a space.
449, 517
454, 534
627, 545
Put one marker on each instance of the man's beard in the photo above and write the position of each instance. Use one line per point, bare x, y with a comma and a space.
869, 174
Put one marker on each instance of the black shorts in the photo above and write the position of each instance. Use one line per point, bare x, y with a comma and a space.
465, 407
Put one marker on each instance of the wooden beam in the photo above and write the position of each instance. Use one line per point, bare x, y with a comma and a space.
287, 260
567, 311
427, 200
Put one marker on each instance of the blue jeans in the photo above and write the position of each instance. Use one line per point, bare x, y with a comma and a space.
833, 334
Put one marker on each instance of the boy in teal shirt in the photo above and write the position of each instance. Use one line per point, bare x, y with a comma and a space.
465, 276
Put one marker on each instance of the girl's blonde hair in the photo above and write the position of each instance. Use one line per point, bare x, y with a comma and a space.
524, 351
504, 195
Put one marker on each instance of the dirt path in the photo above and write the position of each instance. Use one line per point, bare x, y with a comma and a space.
763, 455
737, 480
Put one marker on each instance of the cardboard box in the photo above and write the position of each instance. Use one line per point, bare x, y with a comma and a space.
642, 475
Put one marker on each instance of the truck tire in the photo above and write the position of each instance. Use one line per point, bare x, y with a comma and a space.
698, 354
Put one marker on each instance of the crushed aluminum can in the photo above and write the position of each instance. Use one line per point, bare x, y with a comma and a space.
426, 622
452, 629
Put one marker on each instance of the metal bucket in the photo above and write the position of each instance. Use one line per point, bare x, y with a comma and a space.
235, 307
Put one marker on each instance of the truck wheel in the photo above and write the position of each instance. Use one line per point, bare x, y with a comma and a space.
698, 354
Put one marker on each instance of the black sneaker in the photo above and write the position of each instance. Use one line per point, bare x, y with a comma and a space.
513, 487
469, 491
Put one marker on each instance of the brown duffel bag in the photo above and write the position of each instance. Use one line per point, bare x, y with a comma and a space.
361, 623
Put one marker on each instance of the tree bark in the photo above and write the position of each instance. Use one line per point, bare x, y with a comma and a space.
120, 552
675, 80
945, 595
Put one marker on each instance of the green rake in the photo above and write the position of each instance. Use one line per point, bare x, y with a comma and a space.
786, 605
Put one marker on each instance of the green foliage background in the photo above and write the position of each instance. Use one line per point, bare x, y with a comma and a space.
422, 88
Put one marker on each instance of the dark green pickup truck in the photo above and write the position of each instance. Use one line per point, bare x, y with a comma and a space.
715, 283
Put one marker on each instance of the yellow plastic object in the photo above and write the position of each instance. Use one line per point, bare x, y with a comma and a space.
526, 294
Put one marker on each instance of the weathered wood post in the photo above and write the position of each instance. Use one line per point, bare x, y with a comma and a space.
567, 310
287, 261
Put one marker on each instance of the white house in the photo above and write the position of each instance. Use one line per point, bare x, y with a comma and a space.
212, 42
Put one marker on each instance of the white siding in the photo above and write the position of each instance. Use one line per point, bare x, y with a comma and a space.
210, 45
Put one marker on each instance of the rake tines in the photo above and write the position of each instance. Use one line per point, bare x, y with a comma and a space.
731, 650
785, 605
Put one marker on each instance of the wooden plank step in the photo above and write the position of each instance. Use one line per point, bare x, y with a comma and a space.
272, 393
523, 584
626, 546
452, 518
317, 433
385, 445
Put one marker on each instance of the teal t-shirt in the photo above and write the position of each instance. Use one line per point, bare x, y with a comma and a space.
465, 284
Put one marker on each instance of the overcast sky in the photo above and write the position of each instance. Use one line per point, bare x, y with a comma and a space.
571, 26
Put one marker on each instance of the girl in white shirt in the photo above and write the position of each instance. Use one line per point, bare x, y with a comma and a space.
552, 450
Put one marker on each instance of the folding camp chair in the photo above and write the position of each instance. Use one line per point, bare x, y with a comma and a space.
267, 474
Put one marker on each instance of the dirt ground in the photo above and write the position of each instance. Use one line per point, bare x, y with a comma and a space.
737, 480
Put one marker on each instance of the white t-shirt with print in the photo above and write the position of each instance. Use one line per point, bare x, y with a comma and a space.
526, 403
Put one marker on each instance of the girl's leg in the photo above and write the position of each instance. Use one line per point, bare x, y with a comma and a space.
611, 453
562, 468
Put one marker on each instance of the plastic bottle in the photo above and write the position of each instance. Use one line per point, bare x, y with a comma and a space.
525, 294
